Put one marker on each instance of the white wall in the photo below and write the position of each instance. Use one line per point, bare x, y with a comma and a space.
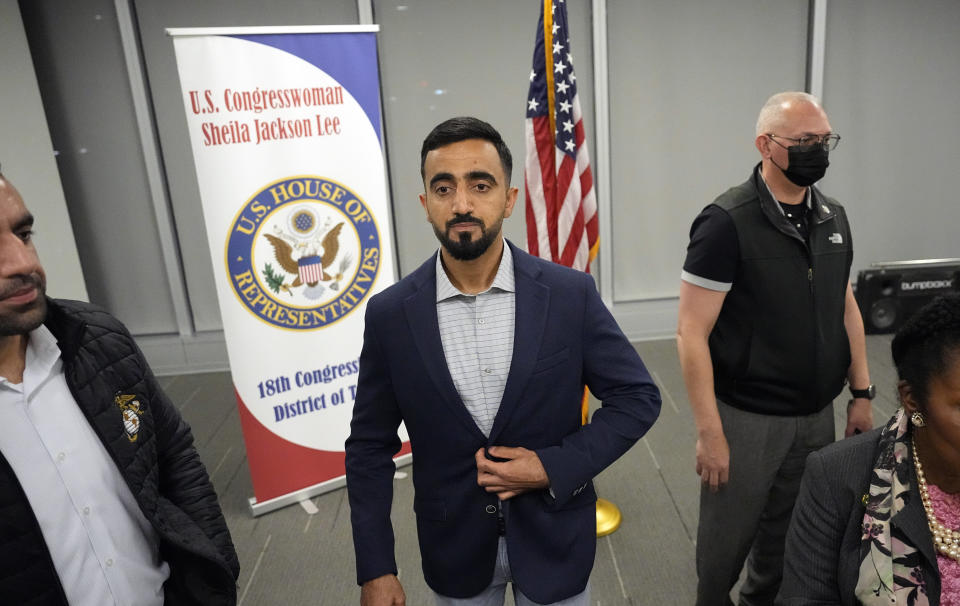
27, 158
892, 90
686, 81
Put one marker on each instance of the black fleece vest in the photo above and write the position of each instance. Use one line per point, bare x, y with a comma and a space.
779, 345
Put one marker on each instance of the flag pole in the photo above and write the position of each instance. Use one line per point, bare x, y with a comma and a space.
558, 181
609, 517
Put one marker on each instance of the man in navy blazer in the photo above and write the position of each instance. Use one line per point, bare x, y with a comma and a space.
502, 466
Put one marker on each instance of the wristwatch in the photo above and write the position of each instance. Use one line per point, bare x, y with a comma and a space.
869, 393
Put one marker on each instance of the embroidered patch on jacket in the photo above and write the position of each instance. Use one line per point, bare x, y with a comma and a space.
130, 411
836, 238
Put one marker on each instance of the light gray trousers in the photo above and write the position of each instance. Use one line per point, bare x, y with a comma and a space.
750, 515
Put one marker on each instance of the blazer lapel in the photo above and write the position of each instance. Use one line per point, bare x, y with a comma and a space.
532, 300
421, 310
912, 520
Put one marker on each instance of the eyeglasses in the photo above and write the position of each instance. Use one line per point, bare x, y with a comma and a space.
827, 142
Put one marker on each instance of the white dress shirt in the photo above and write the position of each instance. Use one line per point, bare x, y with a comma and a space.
103, 548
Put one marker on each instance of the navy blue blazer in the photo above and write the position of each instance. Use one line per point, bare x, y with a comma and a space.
564, 338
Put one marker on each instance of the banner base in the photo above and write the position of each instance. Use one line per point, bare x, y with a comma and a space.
258, 509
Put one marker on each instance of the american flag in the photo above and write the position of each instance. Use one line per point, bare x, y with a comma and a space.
561, 207
311, 269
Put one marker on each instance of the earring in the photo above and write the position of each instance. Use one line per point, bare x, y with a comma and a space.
917, 419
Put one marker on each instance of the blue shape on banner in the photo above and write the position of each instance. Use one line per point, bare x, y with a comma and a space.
339, 55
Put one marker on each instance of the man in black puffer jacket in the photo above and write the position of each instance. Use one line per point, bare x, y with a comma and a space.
103, 497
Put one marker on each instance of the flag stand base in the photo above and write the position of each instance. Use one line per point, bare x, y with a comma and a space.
608, 517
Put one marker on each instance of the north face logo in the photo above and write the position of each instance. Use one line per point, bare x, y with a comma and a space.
836, 238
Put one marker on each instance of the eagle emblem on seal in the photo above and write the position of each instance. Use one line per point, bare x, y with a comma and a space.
307, 250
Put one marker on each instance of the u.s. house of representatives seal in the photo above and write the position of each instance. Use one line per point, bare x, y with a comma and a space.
303, 252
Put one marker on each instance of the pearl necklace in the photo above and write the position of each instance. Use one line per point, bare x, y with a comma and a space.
945, 540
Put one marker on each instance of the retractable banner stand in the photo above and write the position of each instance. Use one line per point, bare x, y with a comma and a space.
287, 140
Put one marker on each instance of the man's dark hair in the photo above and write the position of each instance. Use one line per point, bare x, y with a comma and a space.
927, 343
461, 129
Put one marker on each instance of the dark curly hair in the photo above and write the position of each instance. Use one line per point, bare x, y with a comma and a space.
927, 342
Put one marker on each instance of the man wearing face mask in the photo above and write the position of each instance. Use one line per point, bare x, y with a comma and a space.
769, 332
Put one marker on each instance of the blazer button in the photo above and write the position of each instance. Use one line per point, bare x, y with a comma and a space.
491, 509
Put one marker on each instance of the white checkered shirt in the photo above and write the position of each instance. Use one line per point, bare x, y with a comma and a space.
477, 336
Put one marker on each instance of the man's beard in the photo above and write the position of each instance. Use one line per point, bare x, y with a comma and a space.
22, 320
463, 248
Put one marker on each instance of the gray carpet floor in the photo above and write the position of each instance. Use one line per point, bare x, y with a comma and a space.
290, 557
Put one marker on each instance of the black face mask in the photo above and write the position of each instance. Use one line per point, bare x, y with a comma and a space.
807, 164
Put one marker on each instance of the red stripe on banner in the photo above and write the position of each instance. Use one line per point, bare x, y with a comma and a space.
533, 242
546, 147
279, 467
